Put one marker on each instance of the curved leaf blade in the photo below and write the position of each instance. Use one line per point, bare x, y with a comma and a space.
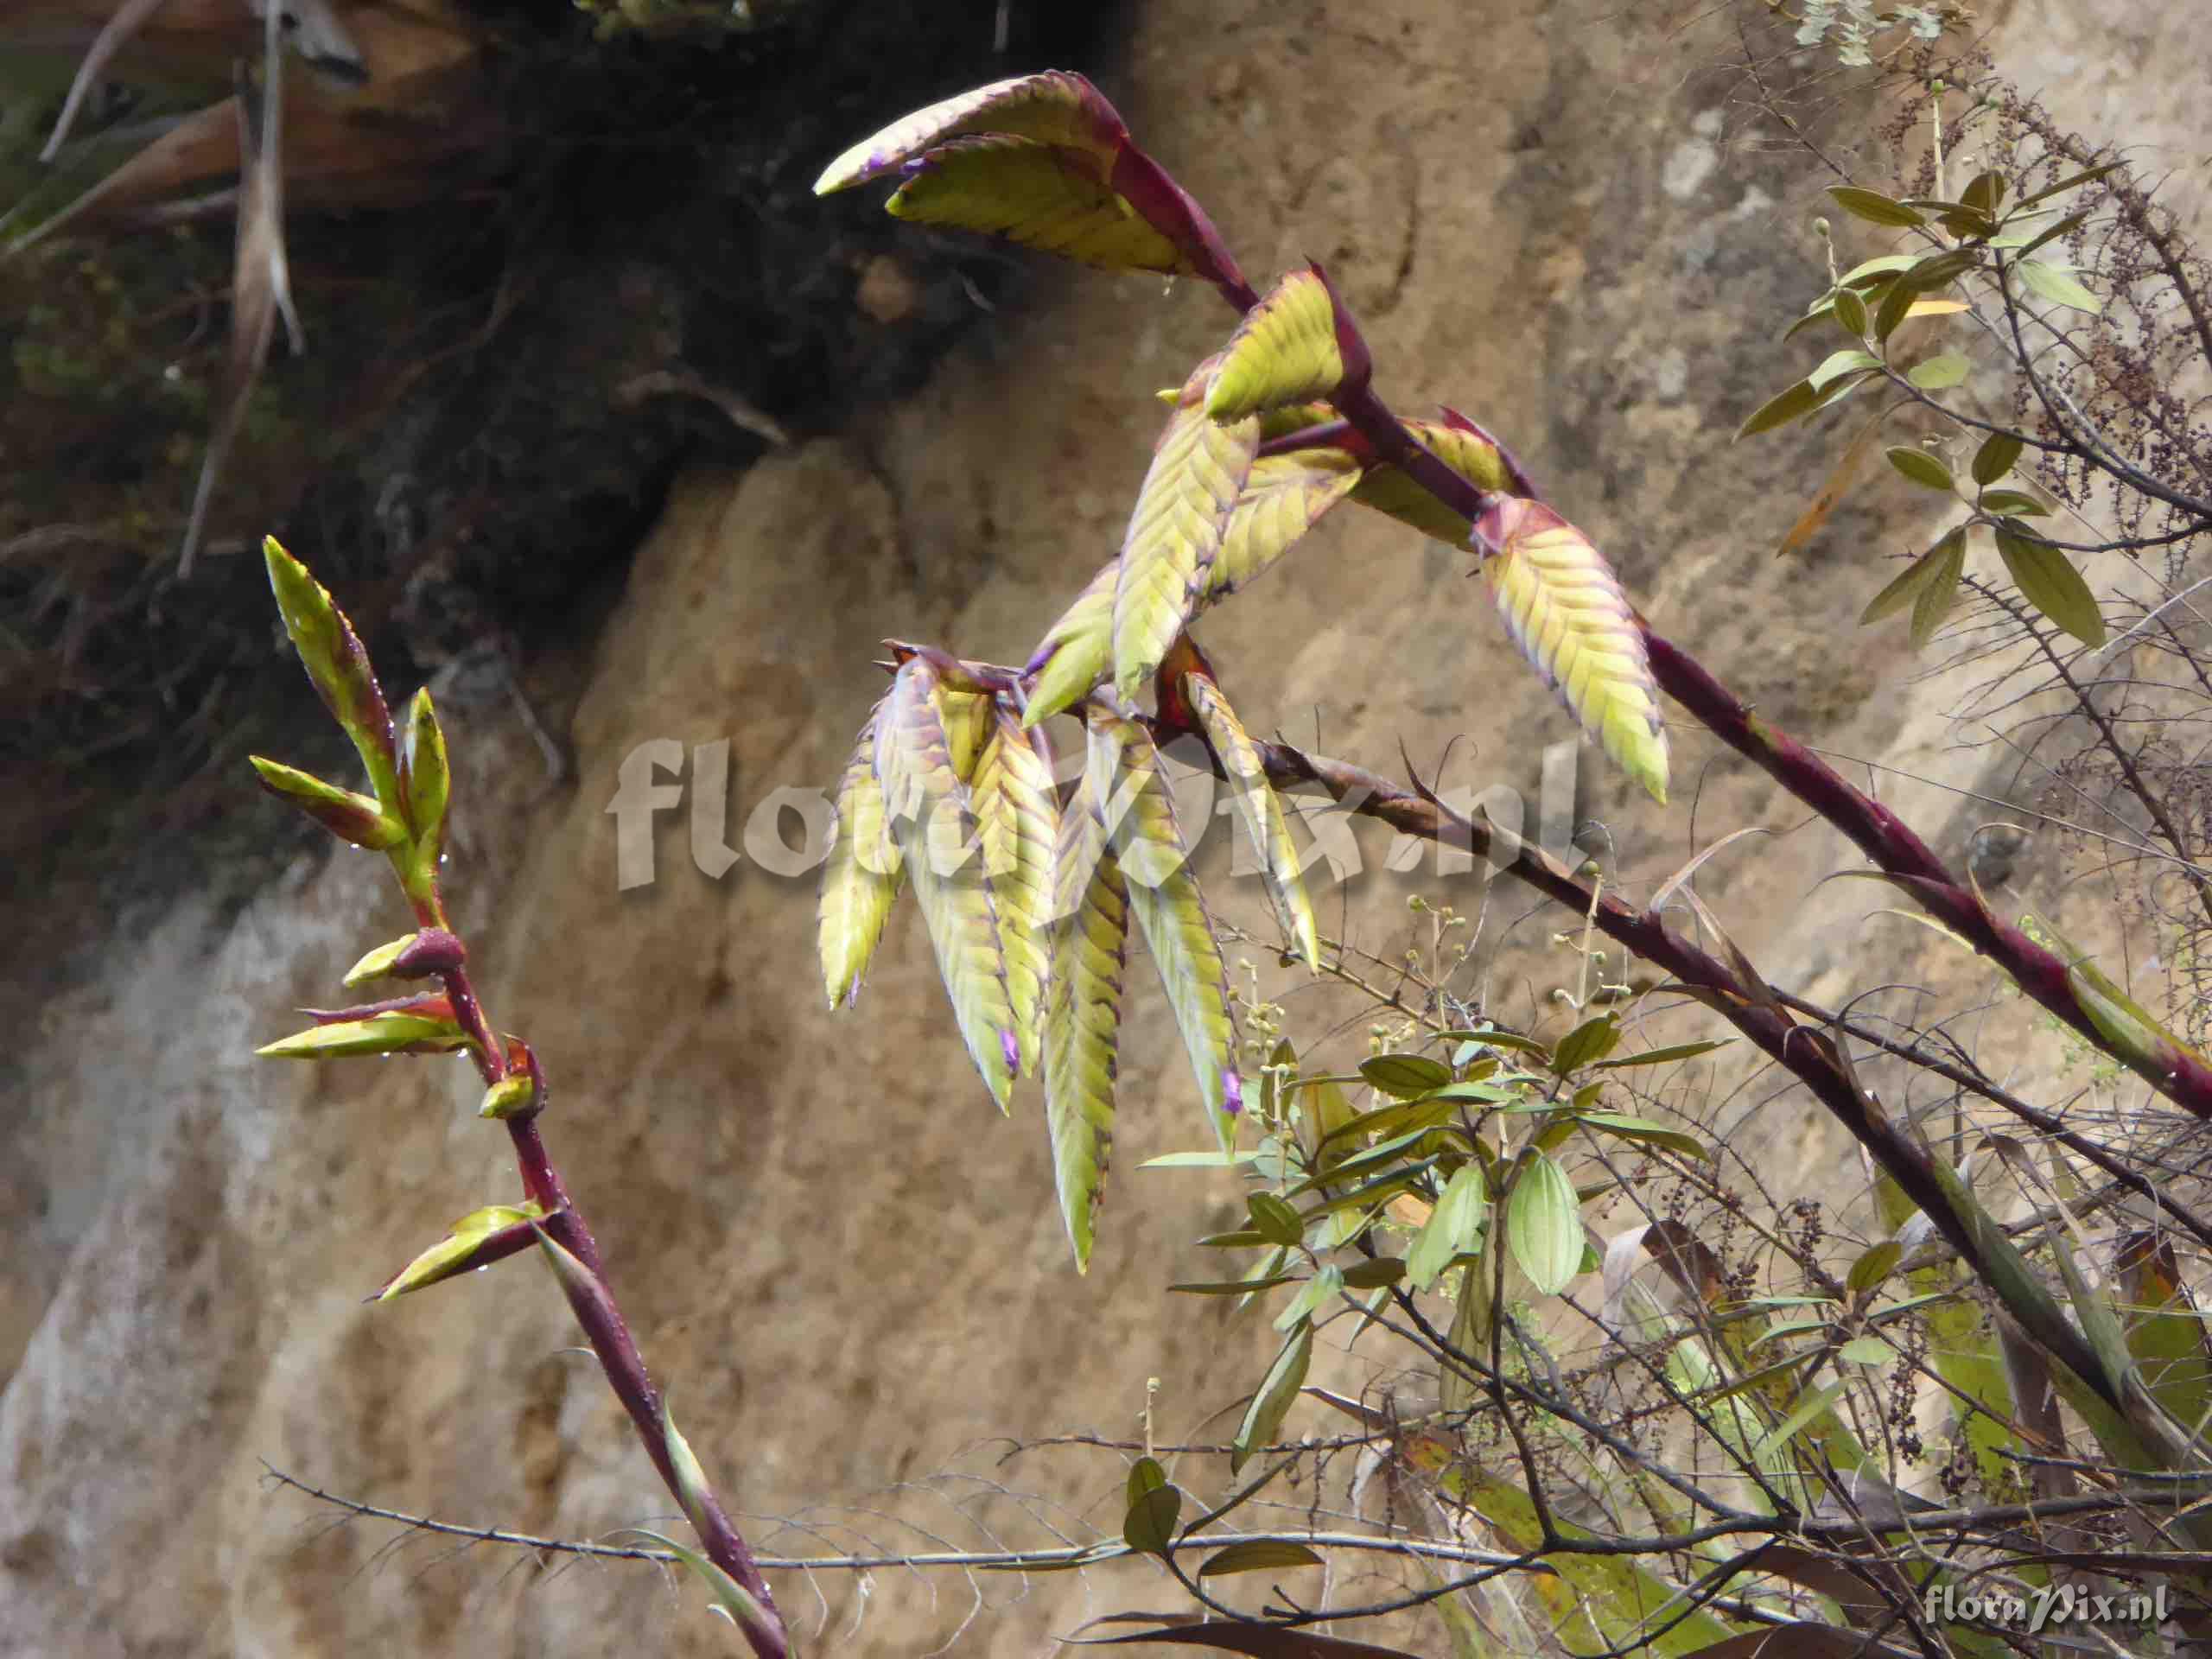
861, 881
1138, 811
934, 830
1262, 814
1264, 1417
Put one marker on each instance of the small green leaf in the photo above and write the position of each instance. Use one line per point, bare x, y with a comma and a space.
1264, 1417
1867, 1350
2073, 183
1543, 1226
1938, 373
2059, 287
1938, 269
2014, 501
1233, 1286
1646, 1130
1451, 1227
1984, 194
1789, 1426
1587, 1043
1257, 1555
1920, 466
1851, 312
351, 818
2024, 244
1153, 1509
425, 778
510, 1097
1896, 305
1903, 591
1876, 1265
1933, 603
1998, 451
2048, 580
1374, 1271
1836, 364
1201, 1159
1875, 208
1275, 1221
1780, 410
1321, 1289
1406, 1076
1661, 1055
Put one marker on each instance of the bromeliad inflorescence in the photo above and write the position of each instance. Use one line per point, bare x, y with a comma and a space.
1262, 439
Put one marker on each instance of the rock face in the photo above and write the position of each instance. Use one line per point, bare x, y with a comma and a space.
847, 1270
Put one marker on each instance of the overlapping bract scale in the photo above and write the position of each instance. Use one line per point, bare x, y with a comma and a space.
861, 880
1055, 107
1285, 352
1472, 456
1183, 509
934, 827
1567, 614
1049, 197
1138, 810
1284, 496
1076, 650
1017, 813
1260, 811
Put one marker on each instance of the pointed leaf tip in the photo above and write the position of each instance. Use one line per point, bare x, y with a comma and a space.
337, 667
1048, 197
1055, 107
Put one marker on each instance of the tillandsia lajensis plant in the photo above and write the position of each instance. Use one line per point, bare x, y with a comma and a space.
1027, 892
404, 817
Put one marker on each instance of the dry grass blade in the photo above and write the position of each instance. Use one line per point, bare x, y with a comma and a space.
129, 17
261, 285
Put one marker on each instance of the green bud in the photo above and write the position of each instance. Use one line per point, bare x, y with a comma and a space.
377, 965
477, 1240
349, 816
426, 1025
418, 956
691, 1487
338, 666
510, 1097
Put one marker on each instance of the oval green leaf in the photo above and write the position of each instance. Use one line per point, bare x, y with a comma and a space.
1875, 208
1257, 1555
1920, 466
1543, 1226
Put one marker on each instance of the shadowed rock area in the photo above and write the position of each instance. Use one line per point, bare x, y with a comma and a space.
848, 1271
